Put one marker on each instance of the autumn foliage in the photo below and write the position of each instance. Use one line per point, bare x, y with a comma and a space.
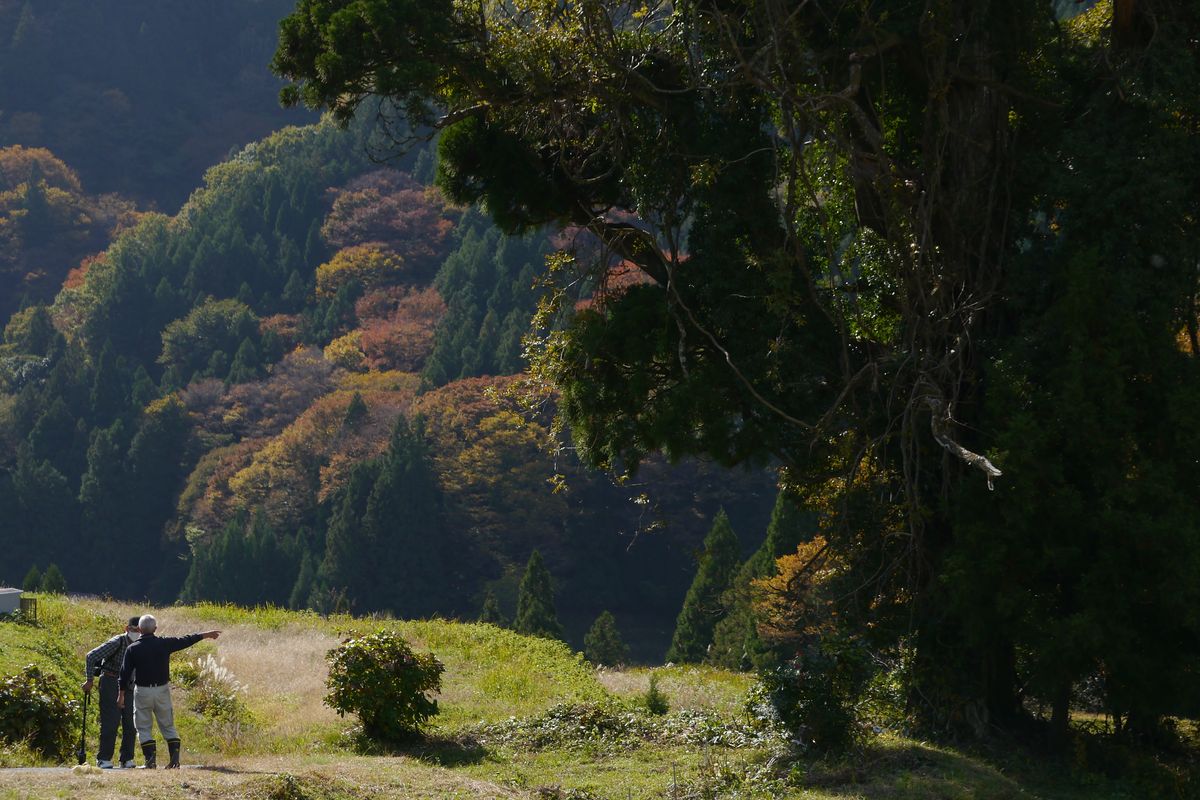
371, 265
392, 210
399, 333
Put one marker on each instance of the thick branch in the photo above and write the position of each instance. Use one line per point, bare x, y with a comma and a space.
939, 424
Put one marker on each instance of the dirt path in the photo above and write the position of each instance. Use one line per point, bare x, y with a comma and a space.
350, 777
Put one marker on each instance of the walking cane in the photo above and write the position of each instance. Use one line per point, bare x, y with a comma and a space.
82, 754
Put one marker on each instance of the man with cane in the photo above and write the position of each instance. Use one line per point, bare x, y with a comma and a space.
105, 662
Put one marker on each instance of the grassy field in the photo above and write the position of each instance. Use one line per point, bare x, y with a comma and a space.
521, 718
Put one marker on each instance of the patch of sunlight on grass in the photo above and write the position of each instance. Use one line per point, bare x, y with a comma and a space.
687, 687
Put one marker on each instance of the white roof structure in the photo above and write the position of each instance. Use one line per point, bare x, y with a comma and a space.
10, 600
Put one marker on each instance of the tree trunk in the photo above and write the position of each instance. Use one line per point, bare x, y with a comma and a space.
1060, 717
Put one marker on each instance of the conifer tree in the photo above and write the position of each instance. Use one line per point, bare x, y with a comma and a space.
53, 437
603, 645
53, 581
157, 463
403, 525
346, 556
491, 613
40, 334
218, 366
33, 580
294, 292
275, 560
305, 581
736, 644
107, 397
143, 391
535, 602
245, 365
702, 606
245, 294
356, 411
46, 504
102, 503
271, 349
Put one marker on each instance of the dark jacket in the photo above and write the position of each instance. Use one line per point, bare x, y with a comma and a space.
150, 658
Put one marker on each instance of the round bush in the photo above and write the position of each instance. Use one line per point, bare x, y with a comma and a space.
379, 678
35, 710
814, 695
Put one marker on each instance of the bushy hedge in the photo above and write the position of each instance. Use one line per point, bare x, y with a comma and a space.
34, 710
379, 678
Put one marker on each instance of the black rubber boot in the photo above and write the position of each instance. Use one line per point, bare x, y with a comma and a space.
148, 751
173, 746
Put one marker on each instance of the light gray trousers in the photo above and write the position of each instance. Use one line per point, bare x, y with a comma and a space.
153, 701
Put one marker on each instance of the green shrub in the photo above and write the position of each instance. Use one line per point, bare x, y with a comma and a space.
654, 700
214, 692
35, 711
379, 678
814, 696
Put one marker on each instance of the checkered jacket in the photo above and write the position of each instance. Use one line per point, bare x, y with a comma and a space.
107, 656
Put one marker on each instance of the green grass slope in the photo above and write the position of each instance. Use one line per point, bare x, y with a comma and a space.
521, 718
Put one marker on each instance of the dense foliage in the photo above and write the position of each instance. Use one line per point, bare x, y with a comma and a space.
886, 244
380, 679
49, 226
35, 711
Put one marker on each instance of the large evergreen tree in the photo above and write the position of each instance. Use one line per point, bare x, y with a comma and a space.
866, 233
347, 557
53, 581
736, 643
385, 542
402, 524
702, 607
535, 602
33, 580
104, 510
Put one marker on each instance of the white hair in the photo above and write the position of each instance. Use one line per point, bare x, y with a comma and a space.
147, 624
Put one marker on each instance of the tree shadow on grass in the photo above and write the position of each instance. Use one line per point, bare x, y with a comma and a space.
999, 770
442, 750
908, 771
449, 751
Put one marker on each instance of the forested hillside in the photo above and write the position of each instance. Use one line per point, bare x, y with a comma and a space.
139, 97
303, 389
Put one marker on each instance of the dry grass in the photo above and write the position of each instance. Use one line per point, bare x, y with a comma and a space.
690, 688
284, 674
283, 669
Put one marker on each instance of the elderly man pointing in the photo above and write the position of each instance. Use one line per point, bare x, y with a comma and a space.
147, 666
